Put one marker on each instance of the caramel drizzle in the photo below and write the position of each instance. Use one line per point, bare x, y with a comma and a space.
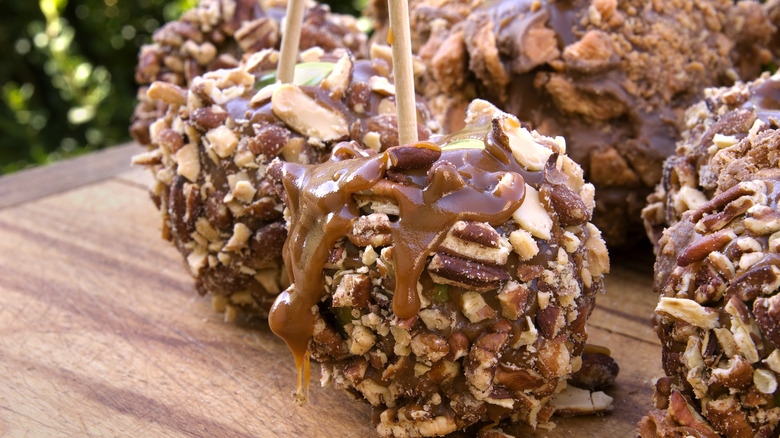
323, 210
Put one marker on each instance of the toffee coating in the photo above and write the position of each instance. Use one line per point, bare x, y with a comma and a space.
446, 283
216, 33
210, 152
718, 270
611, 76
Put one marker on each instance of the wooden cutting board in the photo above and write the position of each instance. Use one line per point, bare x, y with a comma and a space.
103, 334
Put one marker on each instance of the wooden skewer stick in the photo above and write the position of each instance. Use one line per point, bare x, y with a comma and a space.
291, 40
285, 73
402, 71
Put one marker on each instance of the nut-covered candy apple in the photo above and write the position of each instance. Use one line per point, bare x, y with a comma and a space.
215, 35
210, 150
718, 270
447, 283
613, 77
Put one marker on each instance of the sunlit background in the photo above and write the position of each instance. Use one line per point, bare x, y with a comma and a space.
67, 73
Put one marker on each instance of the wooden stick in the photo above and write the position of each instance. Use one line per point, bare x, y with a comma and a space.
291, 40
402, 71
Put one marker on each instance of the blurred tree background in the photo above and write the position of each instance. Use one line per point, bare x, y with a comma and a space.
67, 77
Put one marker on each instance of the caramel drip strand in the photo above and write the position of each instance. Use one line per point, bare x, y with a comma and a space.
321, 210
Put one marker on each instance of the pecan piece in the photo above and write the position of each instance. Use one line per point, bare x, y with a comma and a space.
701, 248
727, 416
469, 274
476, 241
480, 366
755, 282
359, 97
356, 369
429, 347
414, 156
570, 207
554, 358
737, 374
373, 230
435, 319
767, 313
765, 381
517, 379
762, 220
269, 140
380, 131
209, 117
661, 392
744, 329
719, 220
267, 243
444, 371
710, 286
266, 209
257, 34
549, 320
721, 200
529, 272
686, 415
169, 140
459, 346
184, 205
362, 340
217, 212
326, 342
352, 291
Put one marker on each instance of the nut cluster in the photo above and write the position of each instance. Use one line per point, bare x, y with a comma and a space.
610, 76
503, 307
718, 317
210, 149
730, 137
718, 269
215, 35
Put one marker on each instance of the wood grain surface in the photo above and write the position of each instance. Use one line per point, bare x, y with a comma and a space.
103, 334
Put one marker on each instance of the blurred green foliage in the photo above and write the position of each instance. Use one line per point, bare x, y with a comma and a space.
66, 80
